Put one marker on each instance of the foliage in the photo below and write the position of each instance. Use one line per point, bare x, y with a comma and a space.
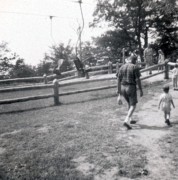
111, 44
20, 70
6, 59
88, 53
58, 52
128, 18
44, 67
164, 20
132, 20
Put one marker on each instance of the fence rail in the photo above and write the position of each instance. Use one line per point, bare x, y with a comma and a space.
57, 84
25, 88
15, 100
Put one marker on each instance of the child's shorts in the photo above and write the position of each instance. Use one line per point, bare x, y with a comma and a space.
166, 109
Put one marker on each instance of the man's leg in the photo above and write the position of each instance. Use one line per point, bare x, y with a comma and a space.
129, 114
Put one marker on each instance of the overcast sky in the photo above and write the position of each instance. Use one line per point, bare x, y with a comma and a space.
26, 26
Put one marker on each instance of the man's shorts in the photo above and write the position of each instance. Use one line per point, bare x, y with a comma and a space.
129, 92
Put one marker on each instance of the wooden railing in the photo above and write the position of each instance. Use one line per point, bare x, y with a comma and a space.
58, 84
71, 75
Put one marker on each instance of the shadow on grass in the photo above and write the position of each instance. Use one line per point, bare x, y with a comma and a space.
175, 122
24, 110
140, 126
61, 103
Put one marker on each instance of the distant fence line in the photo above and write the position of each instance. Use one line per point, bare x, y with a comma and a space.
71, 74
57, 84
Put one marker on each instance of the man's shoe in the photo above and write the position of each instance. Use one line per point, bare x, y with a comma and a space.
127, 126
133, 122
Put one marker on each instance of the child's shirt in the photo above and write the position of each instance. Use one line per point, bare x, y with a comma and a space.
174, 72
166, 99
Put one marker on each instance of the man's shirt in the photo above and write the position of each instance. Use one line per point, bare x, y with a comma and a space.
128, 74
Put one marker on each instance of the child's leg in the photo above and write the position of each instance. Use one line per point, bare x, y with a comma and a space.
176, 81
173, 80
167, 117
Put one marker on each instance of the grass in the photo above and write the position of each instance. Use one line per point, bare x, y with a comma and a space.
83, 139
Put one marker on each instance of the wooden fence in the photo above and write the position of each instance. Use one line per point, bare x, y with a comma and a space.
70, 75
57, 84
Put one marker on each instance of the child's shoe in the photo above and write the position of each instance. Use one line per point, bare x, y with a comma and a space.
168, 122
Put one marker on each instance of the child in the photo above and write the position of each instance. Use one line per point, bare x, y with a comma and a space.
165, 103
175, 75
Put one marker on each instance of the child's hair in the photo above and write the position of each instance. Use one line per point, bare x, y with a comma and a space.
166, 88
176, 65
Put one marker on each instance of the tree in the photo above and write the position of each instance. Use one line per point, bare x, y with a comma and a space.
112, 43
164, 20
6, 59
21, 70
58, 52
43, 68
132, 19
88, 53
128, 17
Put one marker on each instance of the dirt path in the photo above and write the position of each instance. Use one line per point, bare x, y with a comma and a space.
149, 132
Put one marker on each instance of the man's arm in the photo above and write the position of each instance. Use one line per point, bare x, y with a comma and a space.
118, 86
137, 75
140, 86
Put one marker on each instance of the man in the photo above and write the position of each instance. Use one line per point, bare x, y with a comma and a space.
128, 79
148, 57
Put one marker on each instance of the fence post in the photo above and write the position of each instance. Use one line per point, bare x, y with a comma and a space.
87, 74
45, 79
166, 74
56, 92
117, 67
109, 67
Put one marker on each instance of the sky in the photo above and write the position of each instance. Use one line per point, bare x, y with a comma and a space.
27, 28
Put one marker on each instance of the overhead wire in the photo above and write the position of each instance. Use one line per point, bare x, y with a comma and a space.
56, 16
35, 14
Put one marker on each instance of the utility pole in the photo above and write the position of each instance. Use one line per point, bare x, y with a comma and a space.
51, 27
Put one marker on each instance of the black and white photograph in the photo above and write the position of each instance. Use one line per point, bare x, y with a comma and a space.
88, 89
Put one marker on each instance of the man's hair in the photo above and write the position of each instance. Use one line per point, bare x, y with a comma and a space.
133, 59
166, 88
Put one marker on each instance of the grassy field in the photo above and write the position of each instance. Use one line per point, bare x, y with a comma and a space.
82, 139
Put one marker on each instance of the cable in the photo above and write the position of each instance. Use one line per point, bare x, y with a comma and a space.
34, 14
80, 28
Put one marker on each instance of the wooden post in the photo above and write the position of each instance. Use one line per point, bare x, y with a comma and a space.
56, 92
166, 74
45, 79
123, 55
109, 67
117, 67
87, 74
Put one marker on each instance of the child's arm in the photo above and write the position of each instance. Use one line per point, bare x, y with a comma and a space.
172, 102
159, 103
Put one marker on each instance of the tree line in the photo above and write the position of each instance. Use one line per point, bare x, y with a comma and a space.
129, 24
